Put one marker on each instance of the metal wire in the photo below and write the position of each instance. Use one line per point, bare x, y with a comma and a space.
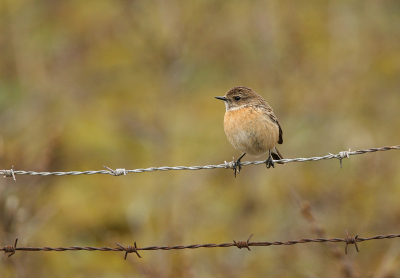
239, 244
11, 249
226, 165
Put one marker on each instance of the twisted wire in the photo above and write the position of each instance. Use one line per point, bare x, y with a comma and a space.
227, 165
239, 244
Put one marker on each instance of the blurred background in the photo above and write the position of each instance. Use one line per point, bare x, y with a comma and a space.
131, 84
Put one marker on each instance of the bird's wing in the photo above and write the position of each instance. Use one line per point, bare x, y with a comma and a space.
270, 113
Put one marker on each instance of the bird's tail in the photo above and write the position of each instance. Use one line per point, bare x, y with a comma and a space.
276, 155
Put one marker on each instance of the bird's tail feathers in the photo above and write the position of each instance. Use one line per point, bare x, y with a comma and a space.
276, 155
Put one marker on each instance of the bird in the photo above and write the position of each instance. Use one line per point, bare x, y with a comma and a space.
251, 125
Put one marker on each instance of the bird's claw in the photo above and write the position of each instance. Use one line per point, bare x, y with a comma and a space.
237, 167
236, 164
270, 161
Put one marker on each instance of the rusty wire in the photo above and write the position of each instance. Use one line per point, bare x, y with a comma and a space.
227, 165
239, 244
347, 267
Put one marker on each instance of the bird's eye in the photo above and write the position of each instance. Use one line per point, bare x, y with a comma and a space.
237, 98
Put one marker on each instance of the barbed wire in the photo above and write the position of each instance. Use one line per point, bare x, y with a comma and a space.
11, 249
347, 267
227, 165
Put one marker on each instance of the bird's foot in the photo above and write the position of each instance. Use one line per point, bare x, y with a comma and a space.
270, 161
236, 165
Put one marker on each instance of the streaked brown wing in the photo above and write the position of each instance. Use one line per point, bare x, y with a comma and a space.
268, 110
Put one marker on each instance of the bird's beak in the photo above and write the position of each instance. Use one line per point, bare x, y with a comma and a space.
221, 98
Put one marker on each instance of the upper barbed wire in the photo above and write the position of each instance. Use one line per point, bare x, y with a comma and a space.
227, 165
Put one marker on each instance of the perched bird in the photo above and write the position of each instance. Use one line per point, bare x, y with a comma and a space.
251, 125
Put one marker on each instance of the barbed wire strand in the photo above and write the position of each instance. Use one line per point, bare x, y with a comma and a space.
227, 165
347, 268
239, 244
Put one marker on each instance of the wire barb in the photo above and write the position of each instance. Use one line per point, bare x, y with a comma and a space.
129, 249
10, 249
243, 244
350, 240
9, 173
116, 172
230, 165
343, 154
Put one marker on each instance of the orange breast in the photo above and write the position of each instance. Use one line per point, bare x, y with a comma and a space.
250, 130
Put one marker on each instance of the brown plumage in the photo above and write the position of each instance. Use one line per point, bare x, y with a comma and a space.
251, 125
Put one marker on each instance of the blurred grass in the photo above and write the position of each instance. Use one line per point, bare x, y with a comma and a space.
130, 84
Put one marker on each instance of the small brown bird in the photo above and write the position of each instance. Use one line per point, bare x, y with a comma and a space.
251, 125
